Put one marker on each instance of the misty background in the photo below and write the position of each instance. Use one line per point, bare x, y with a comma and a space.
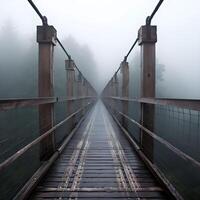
98, 34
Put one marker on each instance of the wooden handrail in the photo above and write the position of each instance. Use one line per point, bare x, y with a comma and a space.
175, 150
12, 103
19, 153
192, 104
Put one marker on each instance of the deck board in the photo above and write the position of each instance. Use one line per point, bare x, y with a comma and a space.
99, 163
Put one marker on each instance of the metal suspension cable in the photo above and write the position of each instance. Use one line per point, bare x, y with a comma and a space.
61, 45
118, 69
43, 18
131, 49
148, 22
149, 18
44, 21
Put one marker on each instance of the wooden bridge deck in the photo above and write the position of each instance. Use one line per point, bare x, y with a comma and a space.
99, 163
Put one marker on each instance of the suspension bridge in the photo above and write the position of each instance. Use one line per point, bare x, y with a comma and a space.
102, 147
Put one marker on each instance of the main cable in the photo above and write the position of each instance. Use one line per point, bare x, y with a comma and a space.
43, 18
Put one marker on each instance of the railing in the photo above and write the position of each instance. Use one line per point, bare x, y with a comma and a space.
164, 132
34, 131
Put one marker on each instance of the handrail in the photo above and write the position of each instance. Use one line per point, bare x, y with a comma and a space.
19, 153
193, 104
34, 180
8, 104
161, 140
154, 169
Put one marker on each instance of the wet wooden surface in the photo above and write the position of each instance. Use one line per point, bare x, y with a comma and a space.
99, 163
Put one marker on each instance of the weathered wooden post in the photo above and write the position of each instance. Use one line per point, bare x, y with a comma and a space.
147, 36
79, 91
70, 71
87, 89
79, 85
116, 85
46, 37
109, 90
111, 93
113, 86
125, 89
84, 94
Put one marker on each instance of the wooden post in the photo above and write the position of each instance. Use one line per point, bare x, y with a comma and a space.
87, 92
111, 101
70, 71
147, 39
87, 89
116, 85
115, 91
46, 37
84, 94
79, 90
79, 85
125, 89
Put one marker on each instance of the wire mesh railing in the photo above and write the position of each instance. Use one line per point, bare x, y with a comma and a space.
165, 132
35, 129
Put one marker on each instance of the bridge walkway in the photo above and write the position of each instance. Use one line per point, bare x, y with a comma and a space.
99, 163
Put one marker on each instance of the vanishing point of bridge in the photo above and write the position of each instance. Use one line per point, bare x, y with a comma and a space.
107, 147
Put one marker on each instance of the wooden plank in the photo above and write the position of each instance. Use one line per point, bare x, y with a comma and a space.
93, 172
191, 104
7, 104
100, 194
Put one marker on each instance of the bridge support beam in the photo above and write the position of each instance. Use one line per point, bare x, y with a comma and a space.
46, 37
147, 39
125, 89
69, 66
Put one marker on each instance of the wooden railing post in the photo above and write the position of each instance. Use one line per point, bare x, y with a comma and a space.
111, 101
79, 85
115, 92
109, 89
70, 71
116, 85
80, 91
84, 93
69, 66
125, 89
46, 37
87, 89
147, 39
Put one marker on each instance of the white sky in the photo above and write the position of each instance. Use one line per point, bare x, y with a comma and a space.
109, 27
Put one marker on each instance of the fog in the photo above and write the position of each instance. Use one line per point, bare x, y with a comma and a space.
107, 29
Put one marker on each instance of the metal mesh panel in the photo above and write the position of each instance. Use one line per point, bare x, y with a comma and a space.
180, 127
18, 127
